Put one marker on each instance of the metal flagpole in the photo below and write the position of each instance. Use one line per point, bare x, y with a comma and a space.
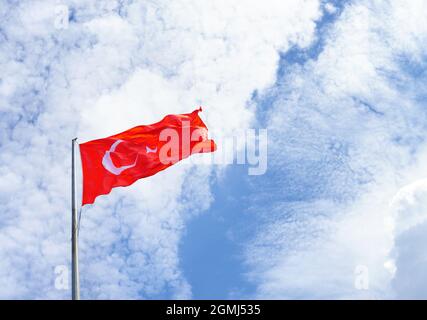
75, 290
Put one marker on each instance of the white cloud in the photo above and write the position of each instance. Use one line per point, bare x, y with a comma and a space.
330, 8
348, 133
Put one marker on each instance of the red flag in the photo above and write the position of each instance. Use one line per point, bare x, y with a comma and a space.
121, 159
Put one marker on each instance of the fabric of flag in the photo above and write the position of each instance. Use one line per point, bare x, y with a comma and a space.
121, 159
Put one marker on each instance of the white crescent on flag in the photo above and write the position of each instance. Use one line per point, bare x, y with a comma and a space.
108, 164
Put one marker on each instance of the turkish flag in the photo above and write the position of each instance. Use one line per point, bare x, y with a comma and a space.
121, 159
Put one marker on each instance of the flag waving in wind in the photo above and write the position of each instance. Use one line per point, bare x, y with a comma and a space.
121, 159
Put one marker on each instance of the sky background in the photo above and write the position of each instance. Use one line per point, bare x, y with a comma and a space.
341, 87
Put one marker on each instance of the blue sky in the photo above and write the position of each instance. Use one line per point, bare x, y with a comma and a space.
208, 241
339, 85
212, 246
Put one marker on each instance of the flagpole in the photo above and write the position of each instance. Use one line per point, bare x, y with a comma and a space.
75, 289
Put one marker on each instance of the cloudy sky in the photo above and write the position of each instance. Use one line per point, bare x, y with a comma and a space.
341, 87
